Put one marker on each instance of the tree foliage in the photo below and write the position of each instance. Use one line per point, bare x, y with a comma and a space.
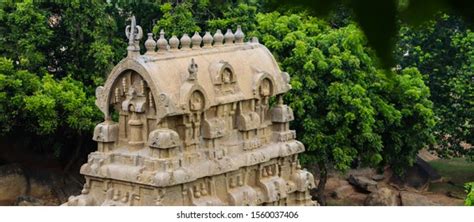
53, 55
469, 201
43, 106
177, 20
443, 50
381, 31
345, 106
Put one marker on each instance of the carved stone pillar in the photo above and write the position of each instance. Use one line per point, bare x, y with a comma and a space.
136, 138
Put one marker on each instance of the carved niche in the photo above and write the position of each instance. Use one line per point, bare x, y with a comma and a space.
133, 101
224, 79
196, 101
264, 91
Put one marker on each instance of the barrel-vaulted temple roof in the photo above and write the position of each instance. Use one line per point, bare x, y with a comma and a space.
175, 69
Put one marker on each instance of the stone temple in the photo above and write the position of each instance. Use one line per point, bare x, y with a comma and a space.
195, 121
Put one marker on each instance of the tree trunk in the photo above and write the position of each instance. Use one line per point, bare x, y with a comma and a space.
323, 177
75, 155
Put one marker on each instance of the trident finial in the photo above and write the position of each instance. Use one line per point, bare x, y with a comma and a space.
134, 33
192, 69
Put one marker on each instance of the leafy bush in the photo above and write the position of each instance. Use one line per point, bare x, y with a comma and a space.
42, 105
469, 201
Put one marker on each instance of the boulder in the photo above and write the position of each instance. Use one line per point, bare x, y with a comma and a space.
28, 201
363, 183
413, 199
378, 177
13, 183
366, 172
43, 191
25, 187
343, 192
382, 197
419, 176
356, 199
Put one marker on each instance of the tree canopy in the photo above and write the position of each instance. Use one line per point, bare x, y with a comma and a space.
443, 50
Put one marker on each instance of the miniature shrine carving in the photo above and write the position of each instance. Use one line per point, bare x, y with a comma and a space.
195, 125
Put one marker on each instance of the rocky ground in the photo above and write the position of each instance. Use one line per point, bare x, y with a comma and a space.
35, 187
364, 187
24, 185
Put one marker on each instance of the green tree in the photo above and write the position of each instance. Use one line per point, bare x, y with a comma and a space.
207, 15
177, 20
25, 35
346, 108
53, 55
43, 107
381, 32
242, 14
443, 50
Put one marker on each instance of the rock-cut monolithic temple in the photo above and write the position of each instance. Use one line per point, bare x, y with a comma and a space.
195, 121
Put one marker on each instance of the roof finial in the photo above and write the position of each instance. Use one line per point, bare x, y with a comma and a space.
229, 37
134, 33
162, 43
254, 40
185, 42
174, 43
196, 39
150, 44
239, 35
218, 38
207, 40
192, 69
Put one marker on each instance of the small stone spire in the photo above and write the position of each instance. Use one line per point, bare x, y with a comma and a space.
207, 40
150, 44
196, 39
239, 35
218, 38
162, 42
174, 43
229, 37
254, 40
185, 42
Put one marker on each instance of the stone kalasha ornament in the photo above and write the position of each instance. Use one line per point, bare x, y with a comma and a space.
185, 42
239, 35
196, 40
218, 38
150, 44
174, 43
229, 37
195, 127
162, 42
207, 40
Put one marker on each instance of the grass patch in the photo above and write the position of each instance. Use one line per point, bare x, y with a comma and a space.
446, 188
456, 170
